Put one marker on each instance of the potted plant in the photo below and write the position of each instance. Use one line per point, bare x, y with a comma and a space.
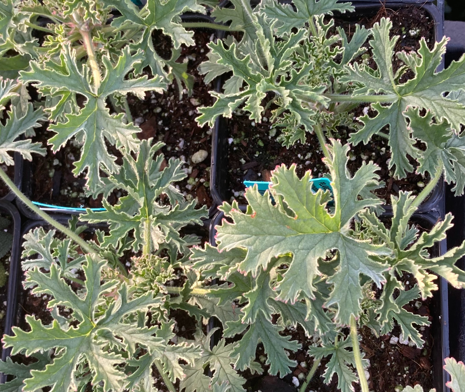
109, 54
316, 89
324, 261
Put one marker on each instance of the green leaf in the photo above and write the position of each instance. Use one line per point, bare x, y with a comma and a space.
7, 88
158, 15
10, 66
457, 373
338, 363
262, 65
143, 211
49, 250
426, 90
392, 309
301, 12
220, 360
300, 225
21, 371
413, 256
93, 125
262, 330
16, 126
443, 148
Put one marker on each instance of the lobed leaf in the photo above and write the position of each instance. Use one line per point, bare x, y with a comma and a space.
93, 125
300, 225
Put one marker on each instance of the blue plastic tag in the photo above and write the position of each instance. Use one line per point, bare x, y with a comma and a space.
317, 183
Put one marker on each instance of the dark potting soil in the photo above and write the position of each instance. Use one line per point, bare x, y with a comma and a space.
253, 153
165, 117
171, 119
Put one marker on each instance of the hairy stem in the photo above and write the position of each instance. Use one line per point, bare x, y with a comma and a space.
387, 98
37, 27
206, 25
311, 24
196, 291
91, 57
165, 378
310, 375
357, 355
127, 110
65, 230
322, 140
428, 188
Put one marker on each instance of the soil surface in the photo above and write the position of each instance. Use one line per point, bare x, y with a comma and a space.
171, 119
4, 273
253, 153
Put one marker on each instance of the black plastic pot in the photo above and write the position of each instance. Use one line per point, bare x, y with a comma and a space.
439, 309
26, 170
455, 237
219, 181
11, 317
18, 177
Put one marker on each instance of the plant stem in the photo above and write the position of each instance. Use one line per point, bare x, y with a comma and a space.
147, 249
387, 98
37, 27
195, 291
75, 280
428, 188
207, 25
310, 375
83, 244
322, 140
91, 56
165, 378
127, 110
357, 355
312, 26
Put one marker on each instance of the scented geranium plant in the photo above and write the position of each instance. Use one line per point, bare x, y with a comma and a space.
88, 57
290, 56
323, 260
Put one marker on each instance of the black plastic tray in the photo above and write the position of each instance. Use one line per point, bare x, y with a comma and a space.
439, 309
11, 317
219, 168
18, 177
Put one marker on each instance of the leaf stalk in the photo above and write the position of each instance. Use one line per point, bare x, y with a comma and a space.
357, 355
322, 140
310, 375
428, 188
207, 25
195, 291
166, 379
88, 44
65, 230
386, 98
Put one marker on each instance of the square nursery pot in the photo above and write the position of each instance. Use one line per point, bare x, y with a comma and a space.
442, 337
10, 318
17, 296
26, 170
220, 167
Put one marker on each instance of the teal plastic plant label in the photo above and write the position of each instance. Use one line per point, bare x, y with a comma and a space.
317, 183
